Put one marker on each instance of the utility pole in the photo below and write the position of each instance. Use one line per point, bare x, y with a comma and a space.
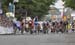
0, 6
14, 1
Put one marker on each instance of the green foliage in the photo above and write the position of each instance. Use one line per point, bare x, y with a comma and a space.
5, 4
32, 7
70, 3
36, 7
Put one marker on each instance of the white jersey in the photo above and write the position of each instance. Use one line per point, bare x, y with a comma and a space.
18, 23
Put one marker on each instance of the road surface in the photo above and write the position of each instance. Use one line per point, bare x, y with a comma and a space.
41, 39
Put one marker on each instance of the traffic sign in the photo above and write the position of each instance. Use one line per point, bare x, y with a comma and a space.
10, 14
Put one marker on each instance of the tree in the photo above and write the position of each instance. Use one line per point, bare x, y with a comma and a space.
35, 7
5, 4
32, 7
70, 3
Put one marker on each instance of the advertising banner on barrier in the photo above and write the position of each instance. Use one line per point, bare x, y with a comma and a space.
6, 30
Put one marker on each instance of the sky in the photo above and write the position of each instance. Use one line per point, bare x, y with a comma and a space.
59, 4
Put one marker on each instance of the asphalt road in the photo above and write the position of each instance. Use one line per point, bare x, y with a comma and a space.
41, 39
